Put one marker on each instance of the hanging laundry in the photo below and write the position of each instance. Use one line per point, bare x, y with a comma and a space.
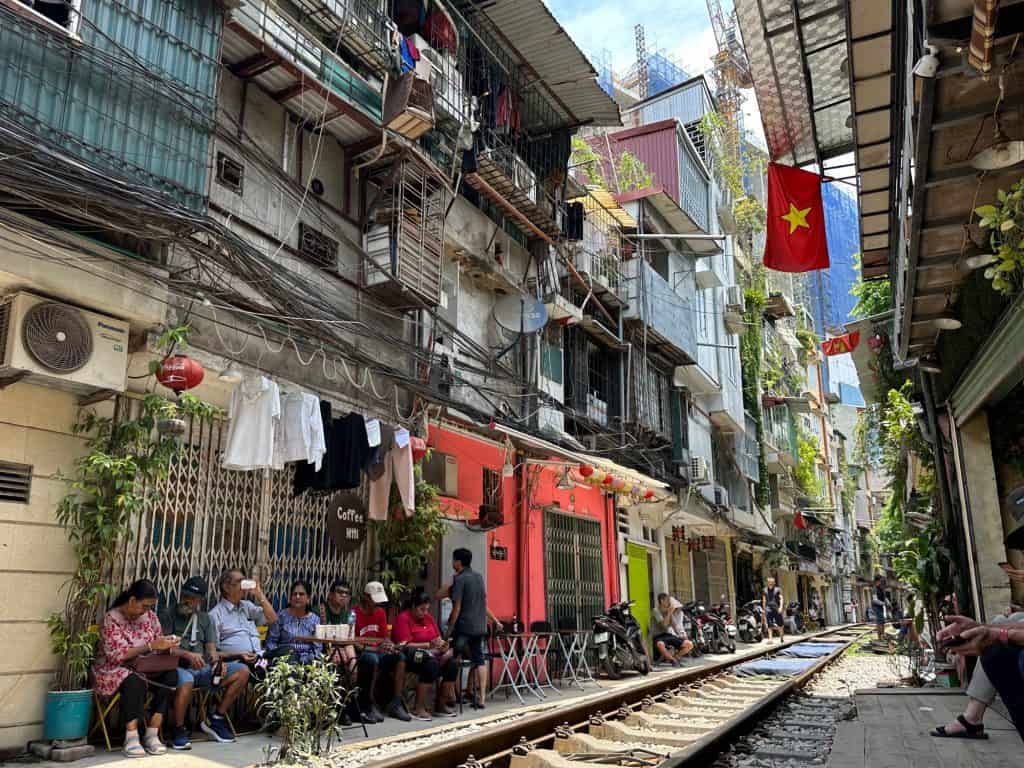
255, 414
375, 464
397, 466
349, 454
409, 54
309, 477
302, 431
507, 118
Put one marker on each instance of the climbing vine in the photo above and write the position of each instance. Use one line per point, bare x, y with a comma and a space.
750, 370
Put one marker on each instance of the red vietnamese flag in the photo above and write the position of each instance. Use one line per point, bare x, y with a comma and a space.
841, 345
796, 221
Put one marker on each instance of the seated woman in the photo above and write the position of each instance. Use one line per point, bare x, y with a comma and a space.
130, 629
426, 655
338, 610
295, 621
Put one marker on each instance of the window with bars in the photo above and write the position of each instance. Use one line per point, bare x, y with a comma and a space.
492, 487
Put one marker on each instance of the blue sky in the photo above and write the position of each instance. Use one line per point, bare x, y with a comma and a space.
681, 27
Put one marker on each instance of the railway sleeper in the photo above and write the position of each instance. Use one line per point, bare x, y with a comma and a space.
677, 725
616, 731
580, 743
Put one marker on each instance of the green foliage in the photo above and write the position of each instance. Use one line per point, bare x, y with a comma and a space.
112, 482
407, 543
750, 370
630, 172
730, 165
805, 472
873, 296
1005, 223
583, 156
307, 702
809, 343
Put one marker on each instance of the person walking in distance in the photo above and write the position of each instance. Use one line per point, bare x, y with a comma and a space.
771, 601
467, 624
878, 601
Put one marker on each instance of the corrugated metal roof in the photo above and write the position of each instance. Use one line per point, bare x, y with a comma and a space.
545, 46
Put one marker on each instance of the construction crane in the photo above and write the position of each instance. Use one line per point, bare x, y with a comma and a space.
731, 68
641, 60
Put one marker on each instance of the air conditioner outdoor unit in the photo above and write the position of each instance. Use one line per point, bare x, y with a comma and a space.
698, 469
734, 299
442, 470
60, 345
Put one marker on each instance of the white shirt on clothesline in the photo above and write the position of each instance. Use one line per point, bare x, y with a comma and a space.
255, 414
302, 431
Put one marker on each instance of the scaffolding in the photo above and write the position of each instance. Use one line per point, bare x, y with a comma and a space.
654, 71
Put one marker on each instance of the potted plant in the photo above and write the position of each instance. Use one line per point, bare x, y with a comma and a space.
119, 473
1005, 222
170, 423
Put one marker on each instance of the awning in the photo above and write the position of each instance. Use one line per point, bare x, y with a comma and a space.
540, 444
760, 540
600, 199
549, 57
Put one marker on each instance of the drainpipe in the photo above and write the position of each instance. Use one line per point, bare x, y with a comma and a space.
522, 543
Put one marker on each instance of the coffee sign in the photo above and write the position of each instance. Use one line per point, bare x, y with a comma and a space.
346, 521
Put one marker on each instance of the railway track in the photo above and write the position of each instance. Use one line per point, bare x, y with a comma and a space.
670, 721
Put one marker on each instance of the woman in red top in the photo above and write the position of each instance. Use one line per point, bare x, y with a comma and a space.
426, 656
130, 629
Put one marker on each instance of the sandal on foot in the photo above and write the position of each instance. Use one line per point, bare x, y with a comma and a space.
970, 730
134, 750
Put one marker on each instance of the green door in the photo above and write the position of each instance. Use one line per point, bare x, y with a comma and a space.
639, 587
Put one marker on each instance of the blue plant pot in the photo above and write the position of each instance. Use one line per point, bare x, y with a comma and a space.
67, 714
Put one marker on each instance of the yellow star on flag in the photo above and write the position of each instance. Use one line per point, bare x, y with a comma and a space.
796, 217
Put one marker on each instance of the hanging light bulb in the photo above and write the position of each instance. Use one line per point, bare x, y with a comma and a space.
231, 374
1004, 152
947, 320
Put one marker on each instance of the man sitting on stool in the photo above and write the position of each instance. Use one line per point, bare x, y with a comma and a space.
200, 664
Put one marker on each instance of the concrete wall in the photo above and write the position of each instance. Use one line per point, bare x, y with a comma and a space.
35, 429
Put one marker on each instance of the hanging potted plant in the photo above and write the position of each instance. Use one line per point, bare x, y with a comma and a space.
125, 459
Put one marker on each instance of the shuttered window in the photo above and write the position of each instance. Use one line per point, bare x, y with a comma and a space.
15, 482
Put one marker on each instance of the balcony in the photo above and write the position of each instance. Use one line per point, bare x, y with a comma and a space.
780, 438
358, 26
666, 315
749, 450
404, 242
778, 306
506, 180
265, 45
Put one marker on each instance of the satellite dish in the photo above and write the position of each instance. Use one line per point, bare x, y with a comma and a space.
520, 314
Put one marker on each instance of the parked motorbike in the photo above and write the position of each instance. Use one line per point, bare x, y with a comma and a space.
693, 629
727, 636
795, 618
750, 622
619, 642
705, 633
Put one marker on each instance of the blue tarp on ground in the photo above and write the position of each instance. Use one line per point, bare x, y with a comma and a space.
811, 650
777, 666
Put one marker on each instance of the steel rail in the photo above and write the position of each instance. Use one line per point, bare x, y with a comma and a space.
497, 741
702, 750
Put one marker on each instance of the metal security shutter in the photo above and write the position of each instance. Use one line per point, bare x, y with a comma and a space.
209, 519
574, 570
680, 583
710, 573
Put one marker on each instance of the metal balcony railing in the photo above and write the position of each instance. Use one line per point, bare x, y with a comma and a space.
667, 315
283, 35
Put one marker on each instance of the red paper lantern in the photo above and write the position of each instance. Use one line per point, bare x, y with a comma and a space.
609, 479
586, 470
648, 494
179, 373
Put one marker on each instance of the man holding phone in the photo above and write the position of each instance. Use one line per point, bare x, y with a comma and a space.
1001, 648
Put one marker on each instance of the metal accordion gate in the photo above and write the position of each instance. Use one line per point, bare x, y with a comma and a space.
205, 519
574, 570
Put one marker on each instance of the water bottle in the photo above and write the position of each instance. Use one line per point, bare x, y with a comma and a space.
352, 618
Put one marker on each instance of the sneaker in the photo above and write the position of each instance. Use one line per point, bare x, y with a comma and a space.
181, 739
153, 745
372, 715
133, 748
398, 711
216, 727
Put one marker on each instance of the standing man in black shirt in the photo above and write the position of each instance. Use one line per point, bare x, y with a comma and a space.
771, 599
878, 601
467, 624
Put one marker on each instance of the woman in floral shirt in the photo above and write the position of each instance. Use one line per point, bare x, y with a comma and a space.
297, 620
130, 629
